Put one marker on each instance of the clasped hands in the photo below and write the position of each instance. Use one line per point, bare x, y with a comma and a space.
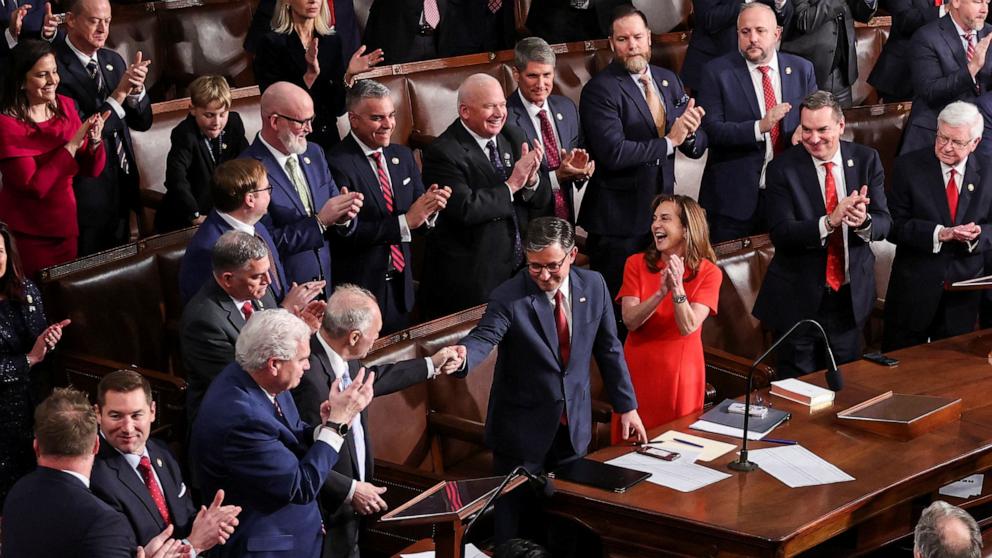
91, 131
430, 202
851, 211
526, 168
450, 359
575, 165
962, 233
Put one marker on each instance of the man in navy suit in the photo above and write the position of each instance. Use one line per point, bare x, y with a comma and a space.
551, 120
888, 77
100, 82
943, 71
377, 255
548, 321
140, 478
826, 204
752, 102
941, 205
634, 116
306, 205
51, 511
248, 439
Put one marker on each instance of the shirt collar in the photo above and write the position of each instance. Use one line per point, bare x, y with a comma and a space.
279, 156
237, 225
837, 160
531, 108
368, 151
83, 57
82, 478
338, 364
945, 168
773, 64
563, 288
961, 31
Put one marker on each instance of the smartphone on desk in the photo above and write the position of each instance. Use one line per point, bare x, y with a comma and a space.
879, 358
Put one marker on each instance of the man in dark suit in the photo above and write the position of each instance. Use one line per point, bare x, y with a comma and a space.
306, 205
140, 478
888, 77
752, 100
826, 204
551, 120
99, 81
944, 71
548, 321
822, 31
496, 188
566, 21
377, 256
248, 439
51, 511
941, 203
714, 34
634, 116
351, 325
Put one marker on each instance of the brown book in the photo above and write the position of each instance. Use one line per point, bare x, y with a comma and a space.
900, 415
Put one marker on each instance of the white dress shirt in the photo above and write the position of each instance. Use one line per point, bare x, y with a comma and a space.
945, 170
757, 81
841, 186
533, 111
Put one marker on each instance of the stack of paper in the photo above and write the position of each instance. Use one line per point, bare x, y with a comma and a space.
682, 474
683, 443
718, 421
802, 392
796, 466
968, 487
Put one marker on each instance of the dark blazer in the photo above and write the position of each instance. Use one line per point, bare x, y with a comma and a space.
303, 247
531, 388
813, 28
282, 57
72, 521
106, 197
470, 251
196, 268
714, 34
345, 25
632, 164
918, 202
30, 25
362, 258
208, 331
890, 71
189, 168
565, 117
940, 77
794, 284
984, 104
466, 27
268, 465
556, 21
733, 167
118, 484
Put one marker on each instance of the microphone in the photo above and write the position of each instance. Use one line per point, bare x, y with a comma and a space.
833, 376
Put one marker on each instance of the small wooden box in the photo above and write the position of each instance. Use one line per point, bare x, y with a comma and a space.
901, 416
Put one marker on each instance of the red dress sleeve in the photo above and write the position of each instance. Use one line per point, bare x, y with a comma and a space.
632, 270
707, 289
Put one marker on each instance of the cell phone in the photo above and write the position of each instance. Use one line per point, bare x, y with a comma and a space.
879, 358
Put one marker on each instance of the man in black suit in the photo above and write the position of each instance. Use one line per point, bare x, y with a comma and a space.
822, 31
350, 326
100, 82
941, 203
565, 21
51, 512
888, 76
496, 188
552, 120
140, 478
377, 255
826, 204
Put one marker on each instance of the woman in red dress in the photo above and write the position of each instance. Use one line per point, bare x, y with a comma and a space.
668, 291
43, 145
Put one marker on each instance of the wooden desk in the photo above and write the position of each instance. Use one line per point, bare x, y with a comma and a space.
753, 514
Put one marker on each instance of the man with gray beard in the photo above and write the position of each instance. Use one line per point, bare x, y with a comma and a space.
634, 115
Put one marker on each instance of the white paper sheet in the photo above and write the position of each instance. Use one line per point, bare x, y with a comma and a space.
711, 448
714, 428
681, 475
796, 466
471, 551
968, 487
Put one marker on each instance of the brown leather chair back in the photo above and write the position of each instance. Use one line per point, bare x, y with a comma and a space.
133, 31
665, 15
668, 50
868, 44
434, 98
572, 71
878, 126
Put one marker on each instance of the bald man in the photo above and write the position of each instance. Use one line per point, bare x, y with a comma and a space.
496, 188
306, 206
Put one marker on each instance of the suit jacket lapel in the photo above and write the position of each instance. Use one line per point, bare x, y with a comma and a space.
791, 89
581, 312
809, 178
353, 367
74, 67
544, 312
633, 91
743, 76
852, 180
277, 174
472, 151
234, 314
972, 176
953, 41
129, 477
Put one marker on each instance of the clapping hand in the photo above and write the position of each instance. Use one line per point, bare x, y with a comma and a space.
430, 202
313, 64
361, 62
161, 546
341, 208
575, 165
49, 25
342, 405
133, 80
674, 273
213, 525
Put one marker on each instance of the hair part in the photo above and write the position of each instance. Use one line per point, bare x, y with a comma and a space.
931, 540
269, 334
234, 250
546, 231
365, 89
697, 234
122, 381
232, 180
533, 49
350, 308
65, 424
207, 90
282, 19
961, 113
824, 99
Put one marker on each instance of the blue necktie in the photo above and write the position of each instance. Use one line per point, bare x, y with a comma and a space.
358, 432
500, 170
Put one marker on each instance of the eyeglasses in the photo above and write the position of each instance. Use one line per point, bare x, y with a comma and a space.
269, 189
306, 123
553, 267
942, 140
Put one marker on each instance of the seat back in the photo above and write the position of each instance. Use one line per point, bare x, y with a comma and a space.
878, 126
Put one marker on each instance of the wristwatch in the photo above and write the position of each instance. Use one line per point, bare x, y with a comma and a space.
341, 428
679, 299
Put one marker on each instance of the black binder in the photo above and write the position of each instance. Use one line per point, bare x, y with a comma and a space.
720, 415
599, 475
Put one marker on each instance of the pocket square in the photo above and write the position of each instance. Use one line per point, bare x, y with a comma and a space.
406, 181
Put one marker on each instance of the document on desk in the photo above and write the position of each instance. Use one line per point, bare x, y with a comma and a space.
680, 441
471, 551
681, 475
796, 466
968, 487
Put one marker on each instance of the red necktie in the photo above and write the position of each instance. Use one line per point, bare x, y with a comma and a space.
564, 340
554, 161
247, 309
952, 196
970, 37
835, 240
495, 5
766, 86
145, 468
937, 3
395, 253
431, 14
330, 10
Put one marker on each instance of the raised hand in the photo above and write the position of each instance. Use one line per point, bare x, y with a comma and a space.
313, 65
213, 525
341, 208
50, 24
46, 341
299, 296
977, 61
17, 20
773, 116
361, 62
345, 404
575, 165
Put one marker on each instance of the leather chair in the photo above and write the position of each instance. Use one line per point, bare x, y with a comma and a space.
133, 31
881, 127
666, 15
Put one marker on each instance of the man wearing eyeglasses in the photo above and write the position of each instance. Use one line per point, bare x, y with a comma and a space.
941, 204
549, 321
306, 204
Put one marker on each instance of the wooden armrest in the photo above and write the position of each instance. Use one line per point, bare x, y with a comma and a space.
602, 411
102, 366
459, 428
738, 366
396, 473
151, 199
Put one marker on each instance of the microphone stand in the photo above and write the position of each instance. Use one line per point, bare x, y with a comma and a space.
834, 380
518, 471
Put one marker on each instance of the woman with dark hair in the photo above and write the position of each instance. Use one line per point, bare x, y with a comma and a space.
24, 342
668, 291
306, 49
43, 145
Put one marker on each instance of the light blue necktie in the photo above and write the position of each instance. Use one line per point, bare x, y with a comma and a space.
356, 431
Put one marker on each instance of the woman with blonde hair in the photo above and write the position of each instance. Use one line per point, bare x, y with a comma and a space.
303, 48
668, 291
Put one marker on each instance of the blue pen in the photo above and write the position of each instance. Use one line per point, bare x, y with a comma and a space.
779, 441
688, 443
